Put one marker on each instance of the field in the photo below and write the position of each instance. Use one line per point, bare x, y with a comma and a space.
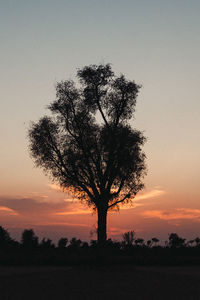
128, 282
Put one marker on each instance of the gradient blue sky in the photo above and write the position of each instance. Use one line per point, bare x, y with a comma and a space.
156, 43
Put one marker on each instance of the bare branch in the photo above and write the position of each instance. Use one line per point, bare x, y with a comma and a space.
119, 201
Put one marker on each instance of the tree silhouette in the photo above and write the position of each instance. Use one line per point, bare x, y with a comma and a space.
139, 241
46, 244
62, 243
175, 241
75, 243
197, 241
128, 238
149, 243
29, 240
155, 241
87, 145
5, 238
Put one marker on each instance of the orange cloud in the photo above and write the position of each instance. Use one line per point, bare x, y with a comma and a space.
75, 212
8, 210
177, 214
55, 187
149, 195
152, 194
64, 224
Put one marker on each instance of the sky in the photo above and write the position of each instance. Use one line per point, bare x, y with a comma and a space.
154, 42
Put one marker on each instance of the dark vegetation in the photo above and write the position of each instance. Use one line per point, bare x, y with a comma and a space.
88, 146
131, 250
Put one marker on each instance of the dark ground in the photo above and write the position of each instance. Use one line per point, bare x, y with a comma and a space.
126, 282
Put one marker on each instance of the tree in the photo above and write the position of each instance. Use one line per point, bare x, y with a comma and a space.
128, 238
155, 240
62, 243
5, 238
46, 244
139, 241
88, 145
175, 241
197, 241
29, 240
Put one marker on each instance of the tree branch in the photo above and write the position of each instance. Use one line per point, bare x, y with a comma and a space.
122, 200
119, 189
99, 106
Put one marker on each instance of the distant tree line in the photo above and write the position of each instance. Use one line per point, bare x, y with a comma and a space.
130, 249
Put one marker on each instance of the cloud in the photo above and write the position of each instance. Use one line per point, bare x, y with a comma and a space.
117, 230
74, 212
128, 206
37, 195
35, 210
136, 202
38, 210
55, 187
70, 200
65, 224
149, 195
7, 210
177, 214
29, 206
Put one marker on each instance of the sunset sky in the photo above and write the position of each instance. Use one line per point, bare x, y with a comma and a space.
154, 42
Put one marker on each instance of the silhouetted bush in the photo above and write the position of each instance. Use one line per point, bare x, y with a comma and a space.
128, 238
5, 238
46, 244
131, 250
139, 242
6, 242
62, 243
154, 241
29, 240
197, 241
175, 241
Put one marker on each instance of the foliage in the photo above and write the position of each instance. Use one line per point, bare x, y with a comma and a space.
154, 241
29, 240
134, 251
128, 237
88, 145
139, 242
5, 238
46, 244
62, 243
175, 241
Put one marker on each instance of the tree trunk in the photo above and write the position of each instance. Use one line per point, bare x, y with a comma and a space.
102, 225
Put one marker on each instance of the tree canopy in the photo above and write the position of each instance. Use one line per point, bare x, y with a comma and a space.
87, 145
